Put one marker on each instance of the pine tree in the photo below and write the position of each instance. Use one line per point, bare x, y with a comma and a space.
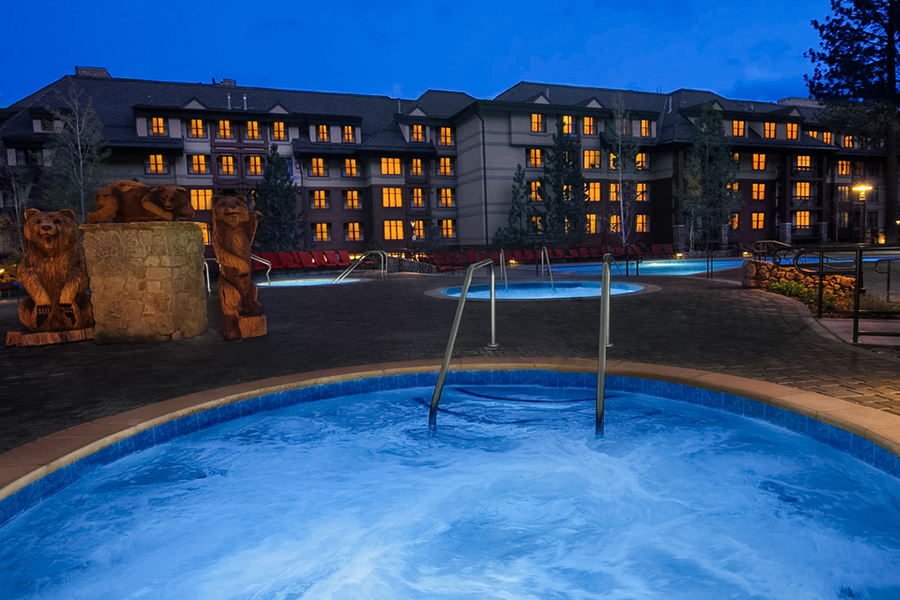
276, 199
515, 234
563, 193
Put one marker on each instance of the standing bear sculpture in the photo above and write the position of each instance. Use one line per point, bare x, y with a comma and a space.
133, 202
54, 274
234, 226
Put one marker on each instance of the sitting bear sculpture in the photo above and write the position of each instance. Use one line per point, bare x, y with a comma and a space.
130, 202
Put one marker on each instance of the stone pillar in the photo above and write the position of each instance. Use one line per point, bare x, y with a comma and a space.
784, 233
147, 280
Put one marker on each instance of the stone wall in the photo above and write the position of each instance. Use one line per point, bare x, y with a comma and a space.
146, 280
759, 274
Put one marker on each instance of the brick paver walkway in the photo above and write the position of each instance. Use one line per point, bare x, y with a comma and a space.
713, 325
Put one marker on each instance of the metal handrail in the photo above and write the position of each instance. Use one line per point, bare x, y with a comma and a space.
604, 343
887, 294
454, 330
206, 272
253, 257
545, 254
503, 269
381, 253
263, 261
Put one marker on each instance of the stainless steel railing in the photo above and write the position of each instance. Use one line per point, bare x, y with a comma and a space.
503, 275
604, 343
454, 330
253, 257
381, 253
545, 256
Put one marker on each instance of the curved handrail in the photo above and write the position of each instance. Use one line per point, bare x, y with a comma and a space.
253, 257
381, 253
454, 330
826, 265
503, 269
545, 254
263, 261
604, 343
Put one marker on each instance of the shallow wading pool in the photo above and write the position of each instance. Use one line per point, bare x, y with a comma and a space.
543, 290
341, 491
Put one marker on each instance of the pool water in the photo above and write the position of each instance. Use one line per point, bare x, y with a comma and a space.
308, 281
655, 267
543, 290
513, 497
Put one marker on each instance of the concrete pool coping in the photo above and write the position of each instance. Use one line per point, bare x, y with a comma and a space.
26, 464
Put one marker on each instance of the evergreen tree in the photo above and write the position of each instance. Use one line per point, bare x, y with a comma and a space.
516, 233
76, 154
563, 193
855, 74
710, 197
617, 139
276, 199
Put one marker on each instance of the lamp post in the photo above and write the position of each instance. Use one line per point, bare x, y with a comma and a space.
862, 188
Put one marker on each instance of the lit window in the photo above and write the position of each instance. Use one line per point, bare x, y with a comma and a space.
641, 224
446, 137
590, 223
537, 123
158, 126
843, 167
448, 228
614, 224
390, 166
322, 133
320, 200
447, 200
594, 193
732, 187
803, 162
826, 137
278, 131
737, 128
534, 158
391, 197
225, 130
736, 160
642, 192
591, 159
446, 165
197, 129
645, 127
252, 130
226, 165
848, 141
535, 194
803, 219
641, 161
349, 169
417, 198
537, 225
759, 191
317, 167
197, 164
348, 133
201, 199
415, 167
351, 199
843, 193
759, 162
254, 166
792, 131
393, 230
733, 222
418, 229
352, 232
758, 220
588, 126
613, 161
204, 228
418, 133
802, 190
813, 134
568, 126
614, 192
321, 232
769, 131
157, 164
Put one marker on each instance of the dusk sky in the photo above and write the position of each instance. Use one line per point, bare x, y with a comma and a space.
742, 50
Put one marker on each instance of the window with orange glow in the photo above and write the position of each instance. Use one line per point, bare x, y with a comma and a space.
642, 192
537, 225
416, 199
802, 190
737, 128
758, 220
197, 129
537, 123
322, 133
278, 131
390, 166
587, 126
448, 228
254, 166
848, 141
759, 162
226, 165
733, 221
769, 131
320, 200
826, 137
792, 131
349, 134
534, 158
418, 228
590, 224
352, 232
641, 224
446, 166
568, 125
415, 167
446, 136
158, 126
351, 199
197, 164
447, 199
594, 191
534, 191
613, 161
204, 229
201, 199
645, 128
391, 197
803, 219
418, 133
843, 167
393, 230
641, 161
321, 232
615, 223
157, 164
803, 162
317, 167
225, 130
591, 159
349, 169
759, 191
251, 130
614, 192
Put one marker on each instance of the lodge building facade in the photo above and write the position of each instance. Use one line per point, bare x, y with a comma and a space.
377, 172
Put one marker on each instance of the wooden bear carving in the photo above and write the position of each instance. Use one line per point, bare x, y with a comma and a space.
234, 226
130, 202
54, 274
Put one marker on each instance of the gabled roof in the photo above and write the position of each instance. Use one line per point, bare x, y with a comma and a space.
440, 105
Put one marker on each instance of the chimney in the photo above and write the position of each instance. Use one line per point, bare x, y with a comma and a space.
229, 100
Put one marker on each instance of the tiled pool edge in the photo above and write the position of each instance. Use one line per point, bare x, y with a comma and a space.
39, 469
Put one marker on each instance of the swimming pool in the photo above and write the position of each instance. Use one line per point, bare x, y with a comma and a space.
543, 290
303, 282
656, 267
340, 491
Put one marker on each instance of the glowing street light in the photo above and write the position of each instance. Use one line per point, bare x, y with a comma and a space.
862, 188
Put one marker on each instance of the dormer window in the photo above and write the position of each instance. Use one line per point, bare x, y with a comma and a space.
792, 131
769, 130
349, 136
278, 133
645, 127
159, 126
537, 123
737, 128
197, 129
417, 134
568, 127
446, 137
588, 126
322, 133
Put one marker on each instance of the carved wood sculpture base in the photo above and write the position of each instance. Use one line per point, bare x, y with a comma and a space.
43, 338
238, 328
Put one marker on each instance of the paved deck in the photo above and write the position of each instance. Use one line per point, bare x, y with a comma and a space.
713, 325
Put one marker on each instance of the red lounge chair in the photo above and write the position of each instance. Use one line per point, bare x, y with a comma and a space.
344, 258
255, 265
472, 257
305, 259
332, 258
287, 260
657, 251
442, 264
573, 254
529, 256
320, 260
558, 253
618, 251
668, 249
594, 251
584, 252
495, 256
517, 256
272, 258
